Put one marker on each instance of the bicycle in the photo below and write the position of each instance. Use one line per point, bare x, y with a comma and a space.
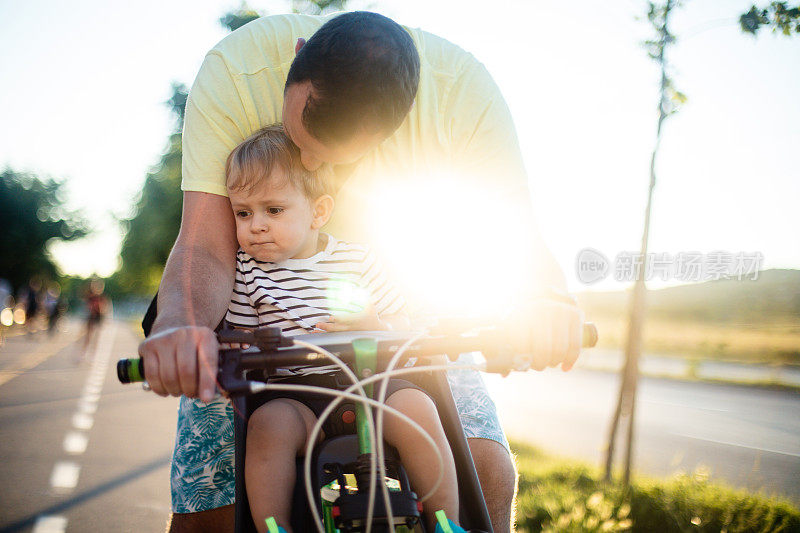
340, 474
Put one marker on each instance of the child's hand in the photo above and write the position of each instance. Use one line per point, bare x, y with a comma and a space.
367, 320
236, 345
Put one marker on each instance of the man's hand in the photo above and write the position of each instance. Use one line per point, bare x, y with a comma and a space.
180, 355
181, 360
551, 332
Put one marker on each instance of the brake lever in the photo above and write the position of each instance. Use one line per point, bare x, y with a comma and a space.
266, 338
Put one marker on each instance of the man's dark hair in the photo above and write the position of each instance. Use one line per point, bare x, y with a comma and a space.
364, 70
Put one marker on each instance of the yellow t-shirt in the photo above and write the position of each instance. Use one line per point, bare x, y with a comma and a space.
459, 121
458, 126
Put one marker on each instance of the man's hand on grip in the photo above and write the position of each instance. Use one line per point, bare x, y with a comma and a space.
551, 332
181, 360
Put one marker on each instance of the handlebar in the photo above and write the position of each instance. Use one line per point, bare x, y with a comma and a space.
271, 350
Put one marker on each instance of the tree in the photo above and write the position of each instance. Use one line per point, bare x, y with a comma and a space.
776, 15
32, 214
152, 230
318, 7
234, 20
669, 102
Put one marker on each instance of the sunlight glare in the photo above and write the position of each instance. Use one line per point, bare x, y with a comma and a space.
345, 297
452, 246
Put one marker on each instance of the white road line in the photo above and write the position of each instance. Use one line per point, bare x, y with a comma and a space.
65, 475
739, 445
50, 524
75, 443
92, 398
82, 421
87, 408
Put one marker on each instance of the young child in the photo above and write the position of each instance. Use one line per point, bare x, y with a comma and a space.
286, 272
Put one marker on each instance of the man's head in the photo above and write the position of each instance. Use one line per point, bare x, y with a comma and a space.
278, 205
349, 87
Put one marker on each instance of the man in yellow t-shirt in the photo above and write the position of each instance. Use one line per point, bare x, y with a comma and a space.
382, 104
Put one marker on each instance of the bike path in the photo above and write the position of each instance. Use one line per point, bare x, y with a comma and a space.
80, 452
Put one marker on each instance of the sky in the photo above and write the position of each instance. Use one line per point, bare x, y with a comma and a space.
84, 85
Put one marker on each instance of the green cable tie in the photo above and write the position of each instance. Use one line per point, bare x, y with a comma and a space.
444, 523
272, 525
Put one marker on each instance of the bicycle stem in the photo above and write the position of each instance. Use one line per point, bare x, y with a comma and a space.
366, 363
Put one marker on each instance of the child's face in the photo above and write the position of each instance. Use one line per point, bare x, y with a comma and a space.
274, 221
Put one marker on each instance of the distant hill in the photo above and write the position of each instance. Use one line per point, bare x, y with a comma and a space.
773, 297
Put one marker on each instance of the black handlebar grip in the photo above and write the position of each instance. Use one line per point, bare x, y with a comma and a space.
130, 370
589, 335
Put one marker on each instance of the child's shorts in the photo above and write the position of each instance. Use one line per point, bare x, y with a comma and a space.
202, 476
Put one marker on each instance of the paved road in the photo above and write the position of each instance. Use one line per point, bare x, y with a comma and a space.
78, 451
748, 437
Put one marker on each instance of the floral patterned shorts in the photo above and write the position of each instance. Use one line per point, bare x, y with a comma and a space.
202, 474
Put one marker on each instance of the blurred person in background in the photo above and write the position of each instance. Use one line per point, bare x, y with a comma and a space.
6, 298
54, 306
31, 298
96, 308
6, 307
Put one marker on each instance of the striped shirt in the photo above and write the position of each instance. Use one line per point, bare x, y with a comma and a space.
295, 294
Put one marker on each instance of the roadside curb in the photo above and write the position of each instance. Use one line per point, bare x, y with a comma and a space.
782, 377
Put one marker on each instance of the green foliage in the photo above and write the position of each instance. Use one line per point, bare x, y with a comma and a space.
777, 15
658, 16
318, 7
234, 20
177, 103
152, 230
31, 215
560, 495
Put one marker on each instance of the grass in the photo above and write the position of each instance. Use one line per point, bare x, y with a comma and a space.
772, 343
570, 496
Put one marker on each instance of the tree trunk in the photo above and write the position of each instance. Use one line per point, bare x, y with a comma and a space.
626, 400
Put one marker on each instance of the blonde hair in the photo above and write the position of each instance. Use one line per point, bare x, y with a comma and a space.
256, 157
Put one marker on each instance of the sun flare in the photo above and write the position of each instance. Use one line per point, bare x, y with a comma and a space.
453, 247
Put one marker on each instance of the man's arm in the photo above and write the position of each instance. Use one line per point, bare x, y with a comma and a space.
180, 356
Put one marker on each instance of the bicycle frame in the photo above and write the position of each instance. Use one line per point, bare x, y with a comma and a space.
346, 449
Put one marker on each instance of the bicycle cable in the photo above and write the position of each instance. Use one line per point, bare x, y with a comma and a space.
370, 428
368, 401
347, 394
380, 452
